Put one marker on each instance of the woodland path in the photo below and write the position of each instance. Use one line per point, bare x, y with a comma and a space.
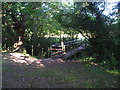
27, 72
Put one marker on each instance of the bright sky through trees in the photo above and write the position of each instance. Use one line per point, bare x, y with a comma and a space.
108, 10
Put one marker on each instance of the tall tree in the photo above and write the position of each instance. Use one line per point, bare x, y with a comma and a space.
17, 24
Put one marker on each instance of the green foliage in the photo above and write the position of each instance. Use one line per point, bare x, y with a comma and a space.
99, 30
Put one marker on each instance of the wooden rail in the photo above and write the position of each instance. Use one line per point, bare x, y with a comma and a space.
60, 48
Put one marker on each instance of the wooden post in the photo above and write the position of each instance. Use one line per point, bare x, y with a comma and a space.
32, 50
64, 50
63, 46
48, 51
51, 51
42, 53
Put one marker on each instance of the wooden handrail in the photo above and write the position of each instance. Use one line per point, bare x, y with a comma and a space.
61, 47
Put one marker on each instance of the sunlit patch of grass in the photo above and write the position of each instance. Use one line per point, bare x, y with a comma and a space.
89, 61
4, 51
115, 72
86, 59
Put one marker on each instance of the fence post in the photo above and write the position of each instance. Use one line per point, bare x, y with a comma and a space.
50, 51
32, 50
63, 47
42, 53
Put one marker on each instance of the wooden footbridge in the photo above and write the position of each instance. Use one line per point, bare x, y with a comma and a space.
66, 49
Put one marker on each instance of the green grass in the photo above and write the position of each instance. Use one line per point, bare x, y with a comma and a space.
82, 75
115, 72
88, 60
57, 77
54, 75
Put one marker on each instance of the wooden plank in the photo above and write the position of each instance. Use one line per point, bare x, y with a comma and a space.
57, 46
55, 49
74, 51
60, 47
57, 53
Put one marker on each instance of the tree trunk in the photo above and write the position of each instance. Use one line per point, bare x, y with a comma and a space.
34, 38
19, 28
